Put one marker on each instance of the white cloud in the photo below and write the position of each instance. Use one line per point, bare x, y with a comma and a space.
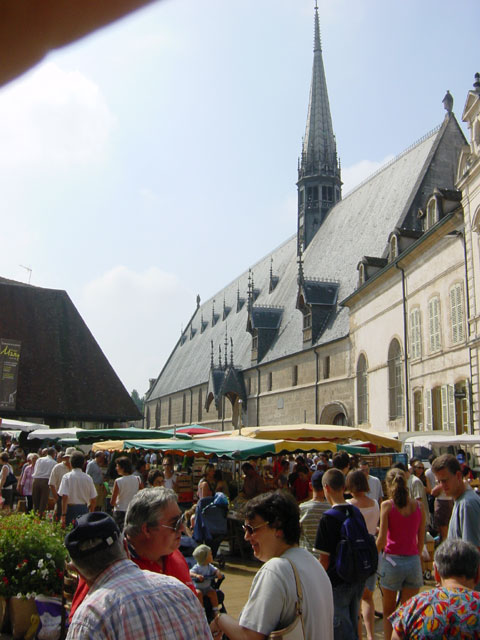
51, 118
136, 318
357, 173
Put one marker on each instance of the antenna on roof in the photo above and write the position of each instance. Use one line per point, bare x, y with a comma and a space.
29, 272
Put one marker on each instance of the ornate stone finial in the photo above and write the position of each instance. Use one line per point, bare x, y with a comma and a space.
476, 84
213, 313
250, 289
198, 300
317, 43
231, 351
211, 355
448, 102
300, 276
226, 348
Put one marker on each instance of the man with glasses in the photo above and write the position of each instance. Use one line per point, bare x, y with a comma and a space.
124, 602
153, 527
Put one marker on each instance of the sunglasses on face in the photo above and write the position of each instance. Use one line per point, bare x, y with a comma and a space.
177, 526
247, 528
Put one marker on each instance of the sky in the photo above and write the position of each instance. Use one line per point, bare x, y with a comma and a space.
156, 159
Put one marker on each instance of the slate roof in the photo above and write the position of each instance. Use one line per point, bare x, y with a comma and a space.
357, 226
63, 373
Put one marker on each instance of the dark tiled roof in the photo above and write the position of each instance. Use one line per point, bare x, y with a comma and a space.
357, 226
63, 373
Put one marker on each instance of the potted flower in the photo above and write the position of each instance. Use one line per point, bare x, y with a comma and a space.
32, 559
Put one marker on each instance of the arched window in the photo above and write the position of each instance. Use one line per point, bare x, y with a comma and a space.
395, 381
362, 390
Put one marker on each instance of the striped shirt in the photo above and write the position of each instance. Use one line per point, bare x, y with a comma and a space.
310, 515
126, 603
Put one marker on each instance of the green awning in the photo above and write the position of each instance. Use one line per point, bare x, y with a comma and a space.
88, 436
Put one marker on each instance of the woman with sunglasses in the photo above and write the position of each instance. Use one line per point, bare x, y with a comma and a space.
272, 526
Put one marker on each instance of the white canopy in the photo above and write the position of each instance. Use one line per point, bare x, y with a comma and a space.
6, 424
427, 441
53, 434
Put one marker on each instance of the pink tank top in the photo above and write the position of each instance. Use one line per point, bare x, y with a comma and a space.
402, 532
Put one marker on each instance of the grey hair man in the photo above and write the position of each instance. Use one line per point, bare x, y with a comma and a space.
153, 527
124, 602
450, 609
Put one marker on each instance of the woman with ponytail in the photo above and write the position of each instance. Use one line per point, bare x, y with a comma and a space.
401, 537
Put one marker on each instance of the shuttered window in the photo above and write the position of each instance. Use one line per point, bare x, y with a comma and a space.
415, 334
434, 324
457, 314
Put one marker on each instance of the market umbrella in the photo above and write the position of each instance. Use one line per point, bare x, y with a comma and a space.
89, 436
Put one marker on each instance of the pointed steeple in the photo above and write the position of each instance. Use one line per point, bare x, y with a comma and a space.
319, 180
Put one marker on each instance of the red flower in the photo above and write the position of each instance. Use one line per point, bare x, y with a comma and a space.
5, 579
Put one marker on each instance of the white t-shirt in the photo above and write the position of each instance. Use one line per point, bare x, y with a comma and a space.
78, 486
127, 488
371, 516
273, 595
375, 486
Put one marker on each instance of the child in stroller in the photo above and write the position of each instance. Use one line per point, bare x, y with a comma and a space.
204, 574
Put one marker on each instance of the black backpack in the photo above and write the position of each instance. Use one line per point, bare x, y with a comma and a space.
356, 556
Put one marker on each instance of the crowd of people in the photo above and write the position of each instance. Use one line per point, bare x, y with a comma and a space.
298, 516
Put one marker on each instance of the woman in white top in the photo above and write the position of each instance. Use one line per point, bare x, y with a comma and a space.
357, 485
124, 488
7, 492
170, 481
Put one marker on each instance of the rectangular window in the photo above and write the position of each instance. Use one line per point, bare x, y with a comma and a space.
429, 416
327, 194
434, 324
269, 381
294, 375
418, 410
415, 334
457, 314
326, 367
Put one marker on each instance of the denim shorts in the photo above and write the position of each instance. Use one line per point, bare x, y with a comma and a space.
370, 582
400, 572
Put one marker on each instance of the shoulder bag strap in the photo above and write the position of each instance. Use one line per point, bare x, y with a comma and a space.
298, 585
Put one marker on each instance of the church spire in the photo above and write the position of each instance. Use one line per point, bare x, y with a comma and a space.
319, 180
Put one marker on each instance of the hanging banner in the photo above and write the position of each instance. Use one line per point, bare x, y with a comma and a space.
9, 360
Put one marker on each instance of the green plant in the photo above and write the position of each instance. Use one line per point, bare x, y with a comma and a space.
32, 556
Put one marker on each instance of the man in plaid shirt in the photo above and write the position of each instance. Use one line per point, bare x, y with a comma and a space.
124, 602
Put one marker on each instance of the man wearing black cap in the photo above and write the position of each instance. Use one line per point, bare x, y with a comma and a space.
124, 602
